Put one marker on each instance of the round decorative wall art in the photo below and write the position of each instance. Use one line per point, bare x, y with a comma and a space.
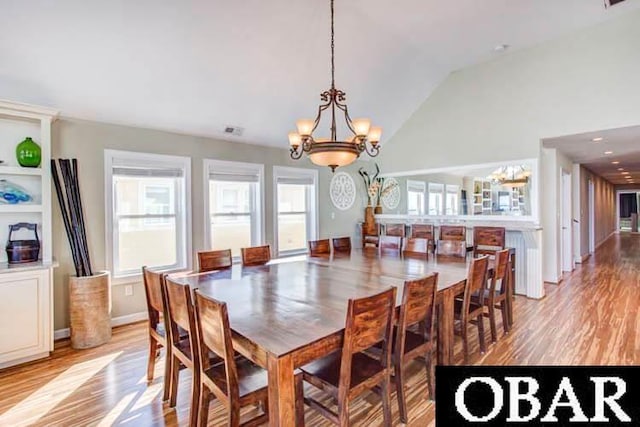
391, 193
342, 191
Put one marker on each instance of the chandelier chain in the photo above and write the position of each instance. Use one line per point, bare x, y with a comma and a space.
333, 67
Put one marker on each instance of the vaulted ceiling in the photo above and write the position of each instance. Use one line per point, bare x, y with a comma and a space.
196, 66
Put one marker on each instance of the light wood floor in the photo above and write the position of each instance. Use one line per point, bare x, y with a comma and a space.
592, 317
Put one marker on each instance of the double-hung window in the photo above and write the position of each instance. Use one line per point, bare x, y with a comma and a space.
234, 208
146, 217
416, 197
453, 200
436, 199
296, 208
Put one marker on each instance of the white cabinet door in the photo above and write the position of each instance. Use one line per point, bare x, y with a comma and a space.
25, 316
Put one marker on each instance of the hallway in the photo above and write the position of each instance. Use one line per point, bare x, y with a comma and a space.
592, 317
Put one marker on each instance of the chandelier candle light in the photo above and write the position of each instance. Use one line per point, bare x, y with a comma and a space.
332, 152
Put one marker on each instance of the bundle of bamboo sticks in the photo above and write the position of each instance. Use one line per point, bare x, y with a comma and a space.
72, 213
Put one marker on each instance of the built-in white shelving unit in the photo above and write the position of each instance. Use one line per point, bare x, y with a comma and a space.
26, 290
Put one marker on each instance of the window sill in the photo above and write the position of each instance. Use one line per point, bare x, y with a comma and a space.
137, 278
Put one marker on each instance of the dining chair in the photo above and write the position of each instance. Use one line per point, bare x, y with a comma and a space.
416, 247
257, 255
341, 244
391, 245
319, 247
424, 231
467, 310
370, 239
418, 309
488, 240
236, 383
184, 350
346, 374
453, 232
498, 297
395, 230
452, 248
215, 260
157, 326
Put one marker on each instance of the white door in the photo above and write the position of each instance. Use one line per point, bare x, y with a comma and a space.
566, 223
592, 219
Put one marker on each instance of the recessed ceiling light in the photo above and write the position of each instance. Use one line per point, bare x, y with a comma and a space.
598, 139
624, 173
501, 47
608, 152
615, 163
620, 169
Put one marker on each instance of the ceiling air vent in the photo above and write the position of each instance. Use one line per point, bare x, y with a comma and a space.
233, 130
609, 3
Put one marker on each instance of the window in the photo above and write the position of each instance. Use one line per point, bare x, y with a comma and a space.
415, 197
146, 219
234, 205
295, 201
453, 201
436, 199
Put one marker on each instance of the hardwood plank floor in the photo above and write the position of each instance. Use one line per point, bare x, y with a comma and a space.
593, 317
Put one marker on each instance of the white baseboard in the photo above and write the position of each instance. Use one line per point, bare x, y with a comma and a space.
116, 321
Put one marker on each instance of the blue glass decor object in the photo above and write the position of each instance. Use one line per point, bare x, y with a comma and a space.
11, 193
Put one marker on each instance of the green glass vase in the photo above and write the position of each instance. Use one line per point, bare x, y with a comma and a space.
28, 153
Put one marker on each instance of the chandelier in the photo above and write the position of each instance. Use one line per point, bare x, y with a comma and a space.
510, 176
331, 151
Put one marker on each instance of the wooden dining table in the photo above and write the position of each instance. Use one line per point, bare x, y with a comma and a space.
288, 313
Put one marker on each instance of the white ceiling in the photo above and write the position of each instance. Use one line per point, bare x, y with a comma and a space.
623, 143
195, 66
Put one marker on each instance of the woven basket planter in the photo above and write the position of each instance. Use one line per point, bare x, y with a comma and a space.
90, 310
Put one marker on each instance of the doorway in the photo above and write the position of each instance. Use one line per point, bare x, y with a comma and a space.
566, 229
628, 207
592, 218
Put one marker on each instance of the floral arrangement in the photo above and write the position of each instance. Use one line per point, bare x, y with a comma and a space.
374, 184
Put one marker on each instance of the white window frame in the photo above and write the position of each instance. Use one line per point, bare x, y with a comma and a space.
451, 189
258, 224
435, 187
312, 204
183, 208
422, 187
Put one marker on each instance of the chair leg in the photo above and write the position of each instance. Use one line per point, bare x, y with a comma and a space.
151, 364
299, 401
483, 346
386, 399
465, 343
506, 322
195, 398
402, 401
203, 407
173, 393
167, 373
343, 413
492, 323
234, 416
430, 374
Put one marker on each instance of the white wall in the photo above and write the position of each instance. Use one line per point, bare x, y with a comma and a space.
501, 110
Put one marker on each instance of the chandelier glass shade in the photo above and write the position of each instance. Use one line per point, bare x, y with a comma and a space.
332, 151
511, 176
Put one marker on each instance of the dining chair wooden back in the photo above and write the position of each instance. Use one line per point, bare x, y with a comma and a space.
452, 248
416, 247
319, 247
350, 373
215, 260
157, 325
341, 245
424, 231
257, 255
390, 245
499, 293
488, 240
470, 309
370, 238
181, 320
418, 309
234, 385
395, 230
453, 232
